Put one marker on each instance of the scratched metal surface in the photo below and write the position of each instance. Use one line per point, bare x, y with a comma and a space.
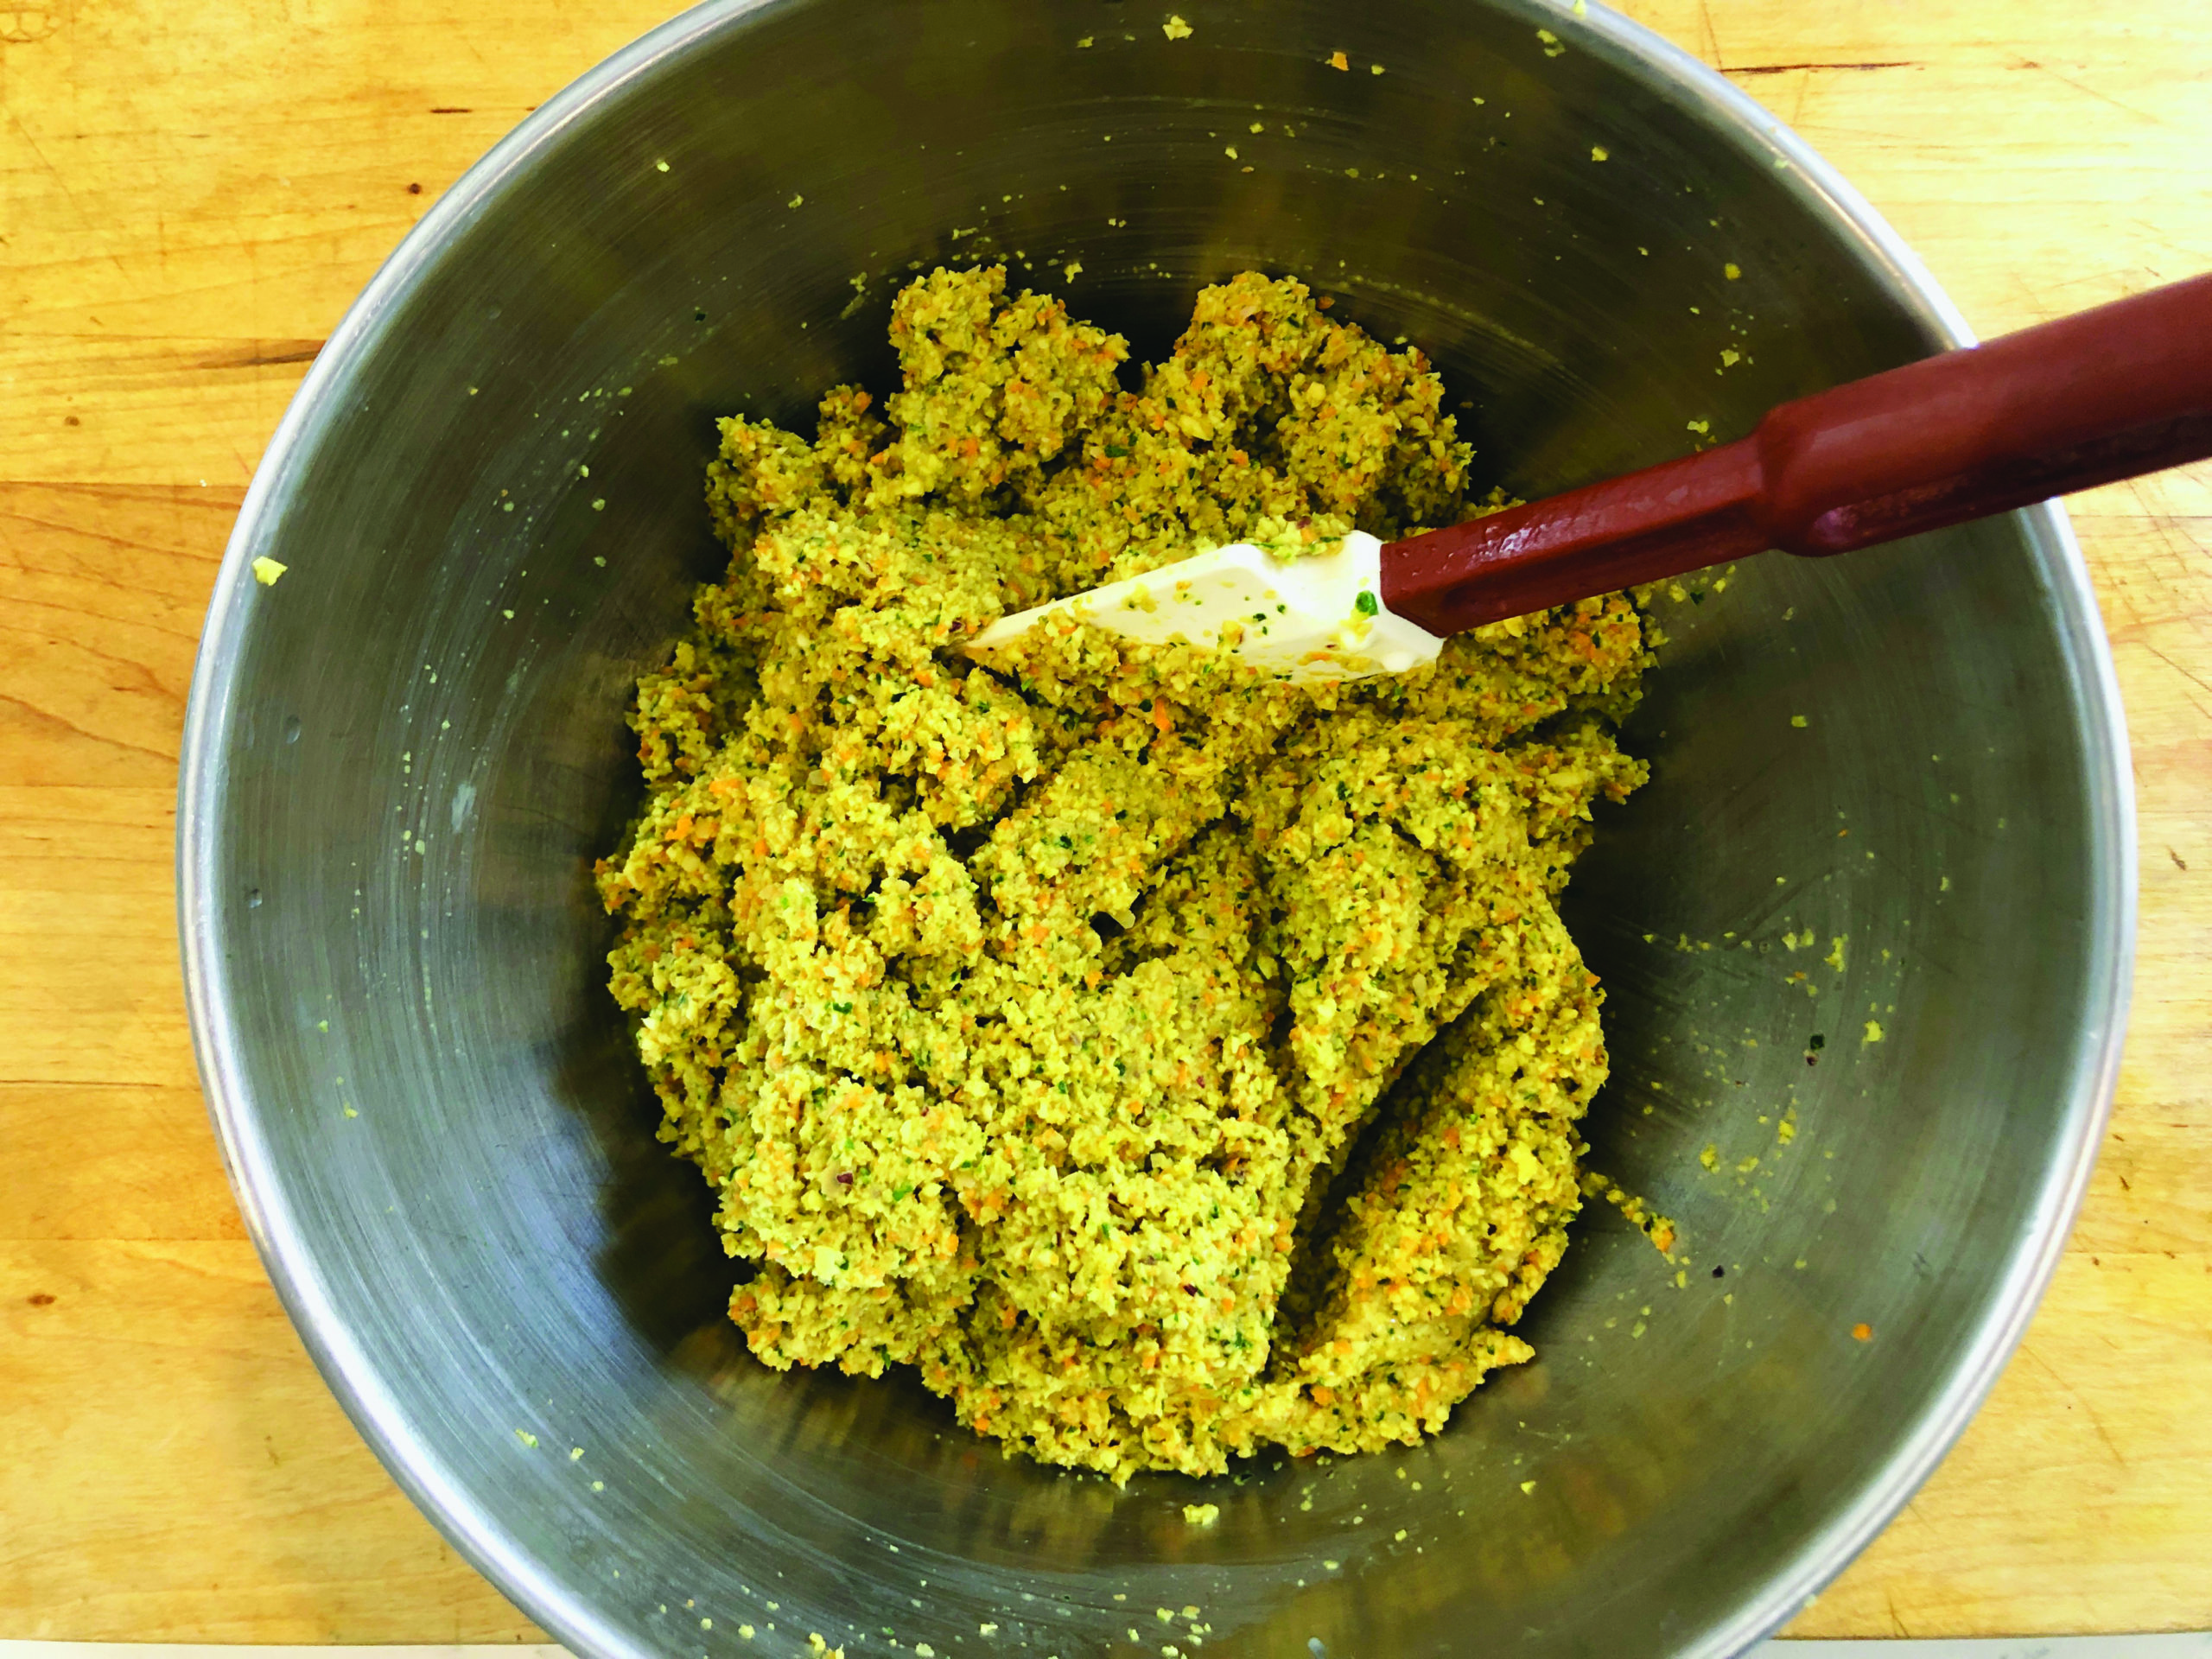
2181, 1645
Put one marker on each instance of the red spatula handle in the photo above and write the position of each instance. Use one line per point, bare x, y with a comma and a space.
2111, 393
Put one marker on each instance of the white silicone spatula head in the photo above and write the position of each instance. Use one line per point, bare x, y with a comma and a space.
1315, 617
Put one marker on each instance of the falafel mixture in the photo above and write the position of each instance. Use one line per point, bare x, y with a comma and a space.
1163, 1061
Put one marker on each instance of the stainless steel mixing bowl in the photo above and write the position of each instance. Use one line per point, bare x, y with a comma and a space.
402, 757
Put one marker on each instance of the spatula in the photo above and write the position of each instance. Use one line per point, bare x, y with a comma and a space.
2112, 393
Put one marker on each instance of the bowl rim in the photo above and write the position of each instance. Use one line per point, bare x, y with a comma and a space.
353, 1376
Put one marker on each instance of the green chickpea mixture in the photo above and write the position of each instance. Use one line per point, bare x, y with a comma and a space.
1163, 1061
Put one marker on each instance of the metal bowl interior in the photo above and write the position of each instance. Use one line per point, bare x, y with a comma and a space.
402, 758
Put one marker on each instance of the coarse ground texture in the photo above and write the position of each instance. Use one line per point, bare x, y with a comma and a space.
1162, 1061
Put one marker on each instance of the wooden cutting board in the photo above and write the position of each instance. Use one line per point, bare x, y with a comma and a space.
190, 193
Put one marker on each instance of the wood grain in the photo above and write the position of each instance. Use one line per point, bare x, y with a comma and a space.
190, 193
